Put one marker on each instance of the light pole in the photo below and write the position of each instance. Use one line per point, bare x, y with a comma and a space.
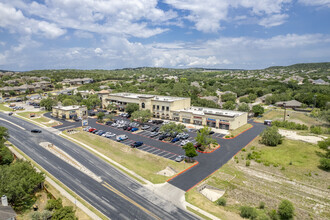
284, 104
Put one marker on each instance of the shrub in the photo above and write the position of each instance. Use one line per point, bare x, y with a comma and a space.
325, 163
289, 125
273, 215
285, 210
54, 204
222, 201
248, 212
261, 205
247, 163
316, 130
271, 137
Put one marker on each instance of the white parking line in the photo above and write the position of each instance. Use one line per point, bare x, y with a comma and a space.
152, 152
171, 157
151, 149
143, 147
168, 153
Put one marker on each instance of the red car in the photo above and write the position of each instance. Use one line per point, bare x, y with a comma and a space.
129, 128
92, 129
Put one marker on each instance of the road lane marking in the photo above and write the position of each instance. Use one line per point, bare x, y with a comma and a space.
111, 188
12, 123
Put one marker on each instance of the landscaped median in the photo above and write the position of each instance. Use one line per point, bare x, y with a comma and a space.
142, 163
39, 118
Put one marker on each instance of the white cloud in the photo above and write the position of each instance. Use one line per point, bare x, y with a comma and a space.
273, 20
15, 21
98, 51
209, 14
131, 17
325, 3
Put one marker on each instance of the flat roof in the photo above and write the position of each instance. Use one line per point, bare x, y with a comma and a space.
211, 111
69, 107
147, 96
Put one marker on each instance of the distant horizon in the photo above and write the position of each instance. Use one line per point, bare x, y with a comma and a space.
205, 68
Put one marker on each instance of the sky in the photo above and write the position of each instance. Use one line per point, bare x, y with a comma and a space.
115, 34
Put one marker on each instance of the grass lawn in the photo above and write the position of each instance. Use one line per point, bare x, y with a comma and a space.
298, 117
38, 118
240, 129
5, 108
140, 162
197, 199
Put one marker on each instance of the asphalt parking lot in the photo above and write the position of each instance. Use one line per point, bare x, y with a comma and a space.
208, 163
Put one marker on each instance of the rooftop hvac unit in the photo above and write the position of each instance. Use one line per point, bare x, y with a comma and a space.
4, 200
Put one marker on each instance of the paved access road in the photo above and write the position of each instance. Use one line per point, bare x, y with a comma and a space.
208, 163
117, 196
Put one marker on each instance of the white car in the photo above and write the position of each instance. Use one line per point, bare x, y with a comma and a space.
121, 137
184, 142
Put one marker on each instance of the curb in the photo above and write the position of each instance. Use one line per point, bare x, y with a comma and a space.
209, 151
182, 172
239, 133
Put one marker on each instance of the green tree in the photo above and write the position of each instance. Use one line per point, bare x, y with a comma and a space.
111, 107
54, 204
66, 213
228, 97
131, 107
173, 127
190, 151
203, 137
18, 182
100, 116
230, 105
3, 135
244, 99
271, 137
252, 97
143, 115
48, 103
285, 210
244, 107
67, 102
258, 110
91, 102
248, 212
6, 157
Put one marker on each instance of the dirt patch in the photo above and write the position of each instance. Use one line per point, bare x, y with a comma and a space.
294, 136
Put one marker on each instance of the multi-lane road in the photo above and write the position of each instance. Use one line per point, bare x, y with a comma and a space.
116, 196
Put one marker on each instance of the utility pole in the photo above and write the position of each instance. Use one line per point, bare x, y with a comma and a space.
284, 104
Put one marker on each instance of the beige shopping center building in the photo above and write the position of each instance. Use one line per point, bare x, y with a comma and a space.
178, 109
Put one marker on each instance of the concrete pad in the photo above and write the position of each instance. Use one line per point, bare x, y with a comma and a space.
170, 193
212, 194
168, 171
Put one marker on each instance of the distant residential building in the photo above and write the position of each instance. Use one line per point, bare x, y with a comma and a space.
319, 82
77, 81
289, 104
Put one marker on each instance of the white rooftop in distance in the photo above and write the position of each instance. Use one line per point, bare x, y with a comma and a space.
154, 97
68, 108
213, 111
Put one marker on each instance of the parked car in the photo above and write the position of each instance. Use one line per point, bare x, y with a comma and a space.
162, 137
121, 137
101, 133
211, 132
10, 113
154, 134
109, 123
154, 129
87, 128
35, 131
95, 131
145, 127
184, 142
175, 140
137, 144
129, 128
173, 135
180, 158
92, 129
125, 127
185, 136
134, 129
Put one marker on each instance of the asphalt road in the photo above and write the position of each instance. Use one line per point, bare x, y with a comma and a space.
117, 196
208, 163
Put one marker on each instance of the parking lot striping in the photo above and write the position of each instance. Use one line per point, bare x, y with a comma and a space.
165, 154
66, 127
155, 150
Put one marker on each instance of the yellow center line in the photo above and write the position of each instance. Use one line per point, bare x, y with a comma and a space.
108, 186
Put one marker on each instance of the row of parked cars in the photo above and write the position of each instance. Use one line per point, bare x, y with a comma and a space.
109, 134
